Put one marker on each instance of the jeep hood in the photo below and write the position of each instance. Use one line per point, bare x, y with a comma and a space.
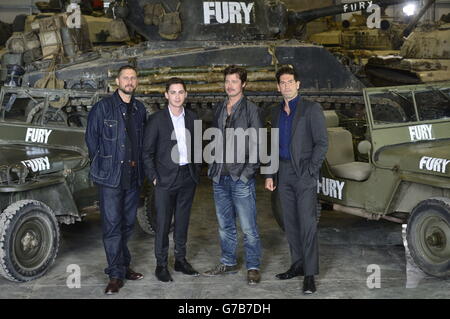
431, 157
41, 159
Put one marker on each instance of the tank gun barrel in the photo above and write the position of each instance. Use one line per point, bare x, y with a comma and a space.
412, 24
309, 15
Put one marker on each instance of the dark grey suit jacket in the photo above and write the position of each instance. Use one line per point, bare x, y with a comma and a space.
309, 140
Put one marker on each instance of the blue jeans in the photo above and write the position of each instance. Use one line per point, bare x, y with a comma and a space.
231, 199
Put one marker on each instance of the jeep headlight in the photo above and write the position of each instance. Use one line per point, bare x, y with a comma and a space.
14, 174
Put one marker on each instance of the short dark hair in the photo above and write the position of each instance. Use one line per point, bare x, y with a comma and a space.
174, 80
286, 69
234, 69
126, 67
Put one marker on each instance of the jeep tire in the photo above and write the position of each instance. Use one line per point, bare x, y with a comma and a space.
29, 240
428, 236
146, 217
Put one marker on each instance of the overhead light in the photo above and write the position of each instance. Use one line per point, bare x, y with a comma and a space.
409, 9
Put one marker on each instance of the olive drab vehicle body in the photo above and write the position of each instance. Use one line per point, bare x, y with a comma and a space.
52, 77
44, 181
423, 58
405, 175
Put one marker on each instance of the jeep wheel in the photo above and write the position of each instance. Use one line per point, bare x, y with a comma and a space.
29, 240
147, 216
428, 236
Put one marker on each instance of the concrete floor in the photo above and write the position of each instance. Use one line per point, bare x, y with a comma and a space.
348, 245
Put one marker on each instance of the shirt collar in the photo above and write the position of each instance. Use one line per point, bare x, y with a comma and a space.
121, 102
173, 116
234, 107
292, 103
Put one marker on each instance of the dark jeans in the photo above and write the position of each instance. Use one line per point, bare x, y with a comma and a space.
173, 202
298, 199
118, 208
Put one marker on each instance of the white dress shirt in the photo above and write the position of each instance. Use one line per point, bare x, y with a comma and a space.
178, 124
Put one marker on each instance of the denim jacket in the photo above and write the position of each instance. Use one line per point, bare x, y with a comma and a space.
106, 137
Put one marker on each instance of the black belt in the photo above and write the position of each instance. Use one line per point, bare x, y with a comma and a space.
184, 167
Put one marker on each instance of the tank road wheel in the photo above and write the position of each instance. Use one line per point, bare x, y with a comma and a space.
388, 112
428, 236
29, 240
147, 217
52, 116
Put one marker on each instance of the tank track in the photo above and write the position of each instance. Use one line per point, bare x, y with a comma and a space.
349, 105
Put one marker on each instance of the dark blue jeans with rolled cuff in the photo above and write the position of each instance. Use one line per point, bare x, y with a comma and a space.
118, 209
237, 199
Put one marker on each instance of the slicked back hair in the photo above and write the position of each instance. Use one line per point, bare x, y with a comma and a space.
126, 67
234, 69
286, 69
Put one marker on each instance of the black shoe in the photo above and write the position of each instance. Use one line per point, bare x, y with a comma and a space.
163, 274
309, 287
185, 268
295, 270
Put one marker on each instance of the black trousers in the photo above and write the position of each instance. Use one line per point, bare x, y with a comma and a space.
173, 202
118, 209
298, 197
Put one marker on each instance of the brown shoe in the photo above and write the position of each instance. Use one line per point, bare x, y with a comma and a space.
132, 275
253, 276
114, 286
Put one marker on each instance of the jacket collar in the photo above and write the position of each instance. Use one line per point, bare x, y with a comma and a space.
118, 100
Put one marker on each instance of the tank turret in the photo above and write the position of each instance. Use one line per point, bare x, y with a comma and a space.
424, 56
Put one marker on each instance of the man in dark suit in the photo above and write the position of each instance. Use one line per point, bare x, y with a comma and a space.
303, 145
114, 139
167, 154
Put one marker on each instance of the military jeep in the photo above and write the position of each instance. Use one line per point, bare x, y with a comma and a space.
44, 180
401, 170
44, 175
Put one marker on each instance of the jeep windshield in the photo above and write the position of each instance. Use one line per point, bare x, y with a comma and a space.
409, 104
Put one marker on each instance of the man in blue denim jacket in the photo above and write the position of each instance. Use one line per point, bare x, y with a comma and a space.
114, 140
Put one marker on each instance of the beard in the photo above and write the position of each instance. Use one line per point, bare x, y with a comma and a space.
128, 90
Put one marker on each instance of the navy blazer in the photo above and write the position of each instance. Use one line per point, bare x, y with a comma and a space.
106, 137
309, 139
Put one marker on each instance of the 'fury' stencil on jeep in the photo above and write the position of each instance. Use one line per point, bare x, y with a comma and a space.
330, 187
433, 164
421, 132
37, 135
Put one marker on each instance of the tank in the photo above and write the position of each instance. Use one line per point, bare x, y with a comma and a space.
424, 57
195, 39
353, 43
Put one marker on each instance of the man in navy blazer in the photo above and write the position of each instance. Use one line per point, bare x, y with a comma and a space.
303, 144
168, 160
